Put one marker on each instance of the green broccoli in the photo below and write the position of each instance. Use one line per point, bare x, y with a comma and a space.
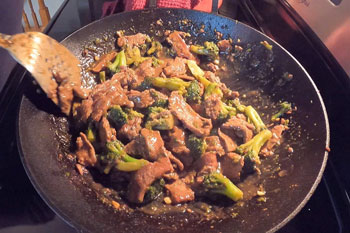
155, 46
251, 149
252, 114
118, 158
220, 184
159, 100
102, 76
209, 49
159, 119
284, 108
117, 116
133, 56
197, 146
132, 113
91, 132
172, 84
226, 112
145, 85
193, 94
154, 191
120, 61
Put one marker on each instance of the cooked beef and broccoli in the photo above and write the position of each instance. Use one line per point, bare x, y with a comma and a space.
161, 116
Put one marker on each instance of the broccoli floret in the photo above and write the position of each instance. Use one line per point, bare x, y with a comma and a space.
252, 114
117, 116
120, 61
156, 46
197, 146
154, 191
252, 148
193, 94
226, 112
118, 158
159, 119
172, 84
91, 133
220, 184
284, 108
209, 49
133, 56
159, 100
132, 113
145, 85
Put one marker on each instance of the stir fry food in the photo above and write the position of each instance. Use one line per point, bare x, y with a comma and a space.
164, 124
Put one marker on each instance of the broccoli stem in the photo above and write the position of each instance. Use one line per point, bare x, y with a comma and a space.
253, 146
102, 76
198, 73
285, 107
120, 61
173, 84
218, 183
254, 117
132, 165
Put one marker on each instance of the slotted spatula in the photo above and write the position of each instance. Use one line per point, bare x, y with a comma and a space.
52, 65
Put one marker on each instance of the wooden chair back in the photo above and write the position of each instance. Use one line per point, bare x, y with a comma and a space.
43, 13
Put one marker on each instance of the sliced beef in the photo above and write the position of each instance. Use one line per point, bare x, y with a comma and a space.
207, 163
105, 132
178, 164
150, 144
224, 46
102, 97
199, 125
231, 165
132, 40
145, 69
227, 142
274, 140
228, 93
186, 77
144, 177
177, 145
179, 45
211, 77
212, 106
179, 192
131, 129
126, 76
85, 151
238, 129
175, 67
141, 99
214, 145
103, 61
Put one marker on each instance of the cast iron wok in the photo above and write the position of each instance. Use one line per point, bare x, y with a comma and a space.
43, 133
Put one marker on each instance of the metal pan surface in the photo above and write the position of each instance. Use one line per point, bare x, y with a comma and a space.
43, 134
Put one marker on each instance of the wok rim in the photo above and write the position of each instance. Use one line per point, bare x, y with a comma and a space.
80, 227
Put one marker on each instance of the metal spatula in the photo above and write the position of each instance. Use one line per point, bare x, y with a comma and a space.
52, 65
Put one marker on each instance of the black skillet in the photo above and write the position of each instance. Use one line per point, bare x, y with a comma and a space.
43, 133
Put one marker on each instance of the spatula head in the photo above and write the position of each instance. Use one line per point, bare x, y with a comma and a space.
52, 65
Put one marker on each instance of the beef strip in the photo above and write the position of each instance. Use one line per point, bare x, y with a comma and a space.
131, 129
238, 128
141, 99
177, 145
224, 46
125, 76
85, 151
186, 77
199, 125
144, 70
212, 106
144, 177
132, 40
103, 61
105, 132
174, 160
227, 142
179, 192
150, 144
207, 163
276, 131
179, 45
231, 165
214, 145
175, 67
102, 97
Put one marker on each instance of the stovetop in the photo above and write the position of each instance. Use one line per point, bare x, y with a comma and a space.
328, 210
